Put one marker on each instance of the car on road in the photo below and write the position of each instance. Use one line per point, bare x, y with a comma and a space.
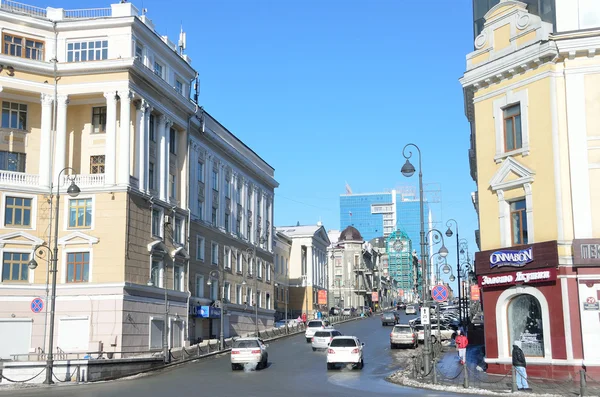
322, 338
410, 309
389, 318
249, 351
403, 334
313, 326
401, 306
346, 311
345, 350
291, 322
446, 333
334, 311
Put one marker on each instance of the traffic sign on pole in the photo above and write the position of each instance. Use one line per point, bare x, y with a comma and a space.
37, 304
439, 293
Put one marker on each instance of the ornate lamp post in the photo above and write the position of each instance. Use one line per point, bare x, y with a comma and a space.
73, 191
449, 234
215, 274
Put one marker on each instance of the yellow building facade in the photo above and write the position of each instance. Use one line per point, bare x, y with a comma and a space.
532, 100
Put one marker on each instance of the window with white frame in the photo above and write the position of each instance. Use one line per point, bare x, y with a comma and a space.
200, 242
177, 334
178, 275
226, 222
17, 211
89, 50
80, 213
214, 290
227, 186
12, 161
214, 216
158, 69
14, 115
155, 268
227, 258
14, 267
152, 128
238, 294
200, 171
259, 268
238, 262
214, 253
200, 208
173, 141
259, 298
518, 222
173, 184
178, 232
98, 119
156, 226
249, 299
139, 52
268, 271
199, 286
268, 301
215, 179
157, 327
511, 124
151, 175
227, 291
250, 265
179, 87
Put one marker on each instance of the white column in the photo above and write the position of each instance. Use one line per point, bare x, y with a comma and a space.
163, 157
110, 156
125, 138
46, 127
146, 149
140, 144
61, 135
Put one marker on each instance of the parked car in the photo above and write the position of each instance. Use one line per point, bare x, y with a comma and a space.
322, 338
477, 320
345, 350
410, 309
334, 311
313, 326
249, 350
403, 334
389, 318
446, 333
291, 322
347, 311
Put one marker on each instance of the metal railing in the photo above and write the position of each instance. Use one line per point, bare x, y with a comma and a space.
81, 180
88, 13
14, 6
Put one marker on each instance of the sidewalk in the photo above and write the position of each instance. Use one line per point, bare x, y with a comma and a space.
450, 375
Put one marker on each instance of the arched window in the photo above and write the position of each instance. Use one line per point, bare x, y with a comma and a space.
525, 324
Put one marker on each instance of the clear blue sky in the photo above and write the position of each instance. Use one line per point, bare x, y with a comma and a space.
329, 91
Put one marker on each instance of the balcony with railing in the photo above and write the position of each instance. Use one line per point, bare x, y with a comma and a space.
56, 13
32, 181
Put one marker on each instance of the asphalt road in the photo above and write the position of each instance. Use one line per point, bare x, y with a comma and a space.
294, 370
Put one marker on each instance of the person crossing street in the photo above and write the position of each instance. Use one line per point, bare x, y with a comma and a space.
461, 342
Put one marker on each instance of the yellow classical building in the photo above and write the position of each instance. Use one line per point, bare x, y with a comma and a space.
532, 97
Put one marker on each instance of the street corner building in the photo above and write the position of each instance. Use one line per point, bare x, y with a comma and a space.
99, 99
531, 93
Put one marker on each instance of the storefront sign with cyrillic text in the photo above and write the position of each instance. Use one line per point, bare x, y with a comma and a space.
522, 277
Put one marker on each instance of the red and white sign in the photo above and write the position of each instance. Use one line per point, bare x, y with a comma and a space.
521, 277
475, 296
375, 296
591, 300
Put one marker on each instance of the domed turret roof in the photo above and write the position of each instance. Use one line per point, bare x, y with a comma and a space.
350, 234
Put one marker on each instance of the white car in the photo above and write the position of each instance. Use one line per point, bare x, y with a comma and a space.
249, 350
346, 312
445, 333
313, 326
410, 310
322, 338
345, 350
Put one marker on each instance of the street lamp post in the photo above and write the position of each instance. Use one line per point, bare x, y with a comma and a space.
449, 234
73, 191
218, 276
408, 170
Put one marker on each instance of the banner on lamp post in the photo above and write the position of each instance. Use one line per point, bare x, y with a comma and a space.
322, 297
375, 296
475, 292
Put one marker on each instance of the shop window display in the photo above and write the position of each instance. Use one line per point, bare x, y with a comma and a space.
525, 324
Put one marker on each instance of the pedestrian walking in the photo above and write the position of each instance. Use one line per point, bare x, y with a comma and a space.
520, 364
461, 343
304, 318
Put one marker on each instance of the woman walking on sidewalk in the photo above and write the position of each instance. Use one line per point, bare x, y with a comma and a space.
518, 361
461, 342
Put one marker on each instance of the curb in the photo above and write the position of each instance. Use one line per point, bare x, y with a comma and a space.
402, 380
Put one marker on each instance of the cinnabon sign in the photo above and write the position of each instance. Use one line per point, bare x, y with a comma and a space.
521, 277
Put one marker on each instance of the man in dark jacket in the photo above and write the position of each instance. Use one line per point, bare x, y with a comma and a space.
518, 360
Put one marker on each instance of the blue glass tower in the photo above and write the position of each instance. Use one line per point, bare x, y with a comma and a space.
380, 214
